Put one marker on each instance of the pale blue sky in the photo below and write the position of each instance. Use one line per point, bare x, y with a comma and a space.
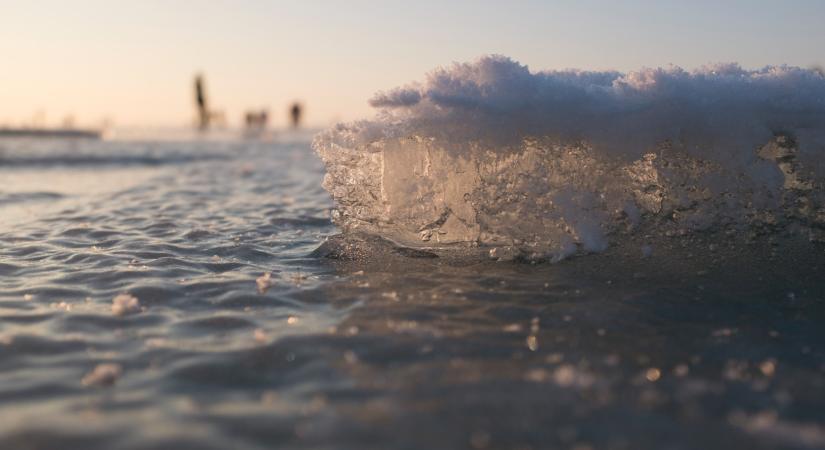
133, 61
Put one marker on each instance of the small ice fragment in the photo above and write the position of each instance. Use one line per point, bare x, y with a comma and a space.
103, 375
261, 336
292, 320
392, 295
653, 374
28, 297
264, 282
724, 332
62, 305
537, 375
768, 367
125, 304
554, 358
565, 375
532, 343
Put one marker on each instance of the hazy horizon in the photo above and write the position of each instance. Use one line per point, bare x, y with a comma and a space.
133, 64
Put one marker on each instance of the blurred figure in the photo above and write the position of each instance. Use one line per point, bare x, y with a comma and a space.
256, 122
200, 99
206, 116
295, 114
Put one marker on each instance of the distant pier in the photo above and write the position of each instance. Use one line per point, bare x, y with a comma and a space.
50, 133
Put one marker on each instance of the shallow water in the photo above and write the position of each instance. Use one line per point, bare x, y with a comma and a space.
370, 346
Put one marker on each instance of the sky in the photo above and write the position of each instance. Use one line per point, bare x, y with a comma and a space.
133, 62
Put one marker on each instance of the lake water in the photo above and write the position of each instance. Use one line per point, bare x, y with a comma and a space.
705, 343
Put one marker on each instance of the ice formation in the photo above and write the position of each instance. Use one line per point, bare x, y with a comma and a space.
548, 164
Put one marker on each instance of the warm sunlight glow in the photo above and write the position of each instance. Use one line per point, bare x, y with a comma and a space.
132, 63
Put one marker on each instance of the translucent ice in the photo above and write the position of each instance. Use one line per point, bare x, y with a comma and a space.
549, 164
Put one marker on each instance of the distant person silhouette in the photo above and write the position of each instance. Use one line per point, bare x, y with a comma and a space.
295, 113
256, 121
200, 99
